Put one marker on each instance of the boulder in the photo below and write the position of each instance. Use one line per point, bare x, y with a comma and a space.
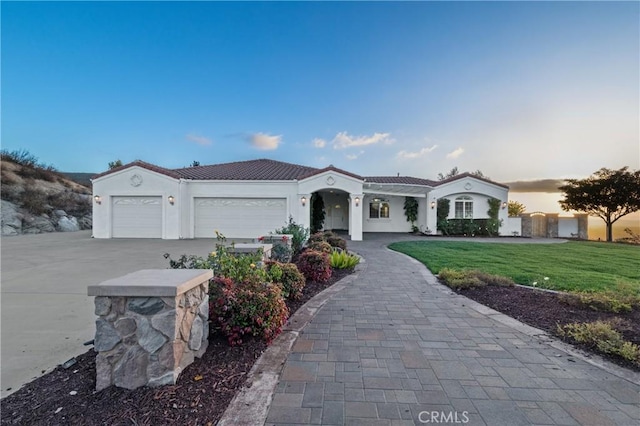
85, 222
37, 225
11, 218
68, 224
59, 213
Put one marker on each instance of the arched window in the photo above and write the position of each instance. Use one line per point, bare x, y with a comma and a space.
464, 207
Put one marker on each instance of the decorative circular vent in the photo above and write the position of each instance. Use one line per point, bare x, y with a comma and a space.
136, 180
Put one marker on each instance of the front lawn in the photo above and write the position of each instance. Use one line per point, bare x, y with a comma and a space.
570, 266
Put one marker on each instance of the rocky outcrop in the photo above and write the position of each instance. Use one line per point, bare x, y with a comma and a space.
16, 221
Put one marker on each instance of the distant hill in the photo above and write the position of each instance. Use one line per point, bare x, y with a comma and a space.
81, 178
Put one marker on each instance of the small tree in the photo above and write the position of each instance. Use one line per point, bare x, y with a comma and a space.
195, 163
453, 172
516, 208
442, 213
114, 164
317, 213
411, 211
607, 194
493, 224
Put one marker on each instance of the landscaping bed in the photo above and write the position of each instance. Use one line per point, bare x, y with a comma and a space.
200, 397
546, 310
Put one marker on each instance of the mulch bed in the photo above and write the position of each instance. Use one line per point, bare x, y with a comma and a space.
200, 397
545, 310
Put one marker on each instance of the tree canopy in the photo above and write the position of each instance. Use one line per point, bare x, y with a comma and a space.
607, 194
516, 208
454, 172
114, 164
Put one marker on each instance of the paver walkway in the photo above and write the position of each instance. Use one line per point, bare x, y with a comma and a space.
395, 348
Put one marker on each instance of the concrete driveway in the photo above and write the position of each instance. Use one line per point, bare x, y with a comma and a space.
46, 313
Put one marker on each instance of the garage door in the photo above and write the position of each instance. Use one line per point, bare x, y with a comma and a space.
239, 217
136, 217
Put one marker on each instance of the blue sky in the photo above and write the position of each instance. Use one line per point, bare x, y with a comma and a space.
518, 90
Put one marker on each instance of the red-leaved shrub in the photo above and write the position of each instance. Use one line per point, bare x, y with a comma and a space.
250, 308
315, 266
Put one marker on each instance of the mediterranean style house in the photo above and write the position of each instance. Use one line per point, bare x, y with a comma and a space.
248, 199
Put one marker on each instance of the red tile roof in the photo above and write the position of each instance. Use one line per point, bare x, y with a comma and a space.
471, 175
144, 165
405, 180
265, 169
262, 169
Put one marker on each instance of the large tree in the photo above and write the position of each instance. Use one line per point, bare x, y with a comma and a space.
607, 194
516, 208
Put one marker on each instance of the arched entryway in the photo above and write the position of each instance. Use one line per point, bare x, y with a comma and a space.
336, 208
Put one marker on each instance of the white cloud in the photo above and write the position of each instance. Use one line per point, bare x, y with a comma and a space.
455, 153
406, 155
200, 140
354, 156
344, 140
319, 143
265, 142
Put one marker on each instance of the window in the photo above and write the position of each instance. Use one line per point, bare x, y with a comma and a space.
464, 207
379, 209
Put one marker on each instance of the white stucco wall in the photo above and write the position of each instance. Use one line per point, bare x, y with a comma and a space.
123, 183
397, 221
567, 227
479, 190
512, 227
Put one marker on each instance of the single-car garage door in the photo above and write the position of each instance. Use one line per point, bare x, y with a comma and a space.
136, 217
239, 217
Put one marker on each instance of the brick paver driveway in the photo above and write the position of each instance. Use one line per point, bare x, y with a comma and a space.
395, 347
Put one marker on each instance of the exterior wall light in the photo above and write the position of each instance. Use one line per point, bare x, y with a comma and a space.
98, 199
433, 204
357, 200
303, 200
171, 199
504, 205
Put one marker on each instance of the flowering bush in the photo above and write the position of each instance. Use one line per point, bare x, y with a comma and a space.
315, 265
299, 233
251, 308
288, 277
322, 246
329, 237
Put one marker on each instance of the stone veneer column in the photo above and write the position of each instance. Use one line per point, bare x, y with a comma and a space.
151, 325
552, 225
583, 225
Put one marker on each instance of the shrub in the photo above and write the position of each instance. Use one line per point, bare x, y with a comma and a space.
459, 279
299, 233
322, 246
315, 266
251, 308
329, 237
602, 336
35, 201
281, 253
289, 277
603, 302
341, 259
494, 280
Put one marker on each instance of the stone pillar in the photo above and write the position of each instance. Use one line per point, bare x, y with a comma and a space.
583, 225
151, 324
552, 225
526, 225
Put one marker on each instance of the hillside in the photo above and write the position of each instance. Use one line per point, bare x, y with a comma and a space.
36, 198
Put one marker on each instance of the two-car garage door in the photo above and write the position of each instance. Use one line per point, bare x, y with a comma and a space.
136, 217
238, 217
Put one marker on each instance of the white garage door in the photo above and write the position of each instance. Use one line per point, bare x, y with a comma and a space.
136, 217
239, 217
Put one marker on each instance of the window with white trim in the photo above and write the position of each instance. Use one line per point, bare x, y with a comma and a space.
378, 209
464, 207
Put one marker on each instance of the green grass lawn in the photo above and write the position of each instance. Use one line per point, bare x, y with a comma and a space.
575, 266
